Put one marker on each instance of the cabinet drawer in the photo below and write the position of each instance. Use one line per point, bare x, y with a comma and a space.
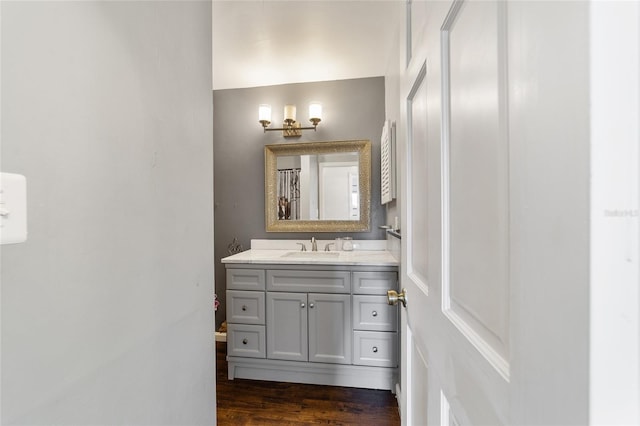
374, 282
246, 340
309, 281
377, 349
245, 307
373, 313
245, 279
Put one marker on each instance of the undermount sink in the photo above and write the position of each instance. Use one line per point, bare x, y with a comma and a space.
312, 254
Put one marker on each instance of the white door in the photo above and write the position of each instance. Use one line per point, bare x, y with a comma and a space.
337, 191
455, 266
510, 218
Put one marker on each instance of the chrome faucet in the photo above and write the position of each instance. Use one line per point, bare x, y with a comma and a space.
314, 245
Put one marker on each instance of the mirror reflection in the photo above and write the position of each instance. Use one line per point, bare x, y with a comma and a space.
318, 186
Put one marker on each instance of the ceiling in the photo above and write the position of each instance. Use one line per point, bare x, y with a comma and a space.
270, 42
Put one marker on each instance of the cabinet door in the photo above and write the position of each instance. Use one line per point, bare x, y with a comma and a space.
330, 328
287, 326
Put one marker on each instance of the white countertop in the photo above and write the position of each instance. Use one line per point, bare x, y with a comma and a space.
297, 257
287, 252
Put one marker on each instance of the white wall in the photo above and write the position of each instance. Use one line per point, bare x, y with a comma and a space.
549, 143
615, 264
106, 309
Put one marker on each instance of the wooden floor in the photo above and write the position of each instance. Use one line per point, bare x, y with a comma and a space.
253, 402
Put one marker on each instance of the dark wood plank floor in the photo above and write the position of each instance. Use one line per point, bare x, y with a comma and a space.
254, 402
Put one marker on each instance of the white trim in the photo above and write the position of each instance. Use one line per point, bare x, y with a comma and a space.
419, 282
408, 348
408, 52
444, 410
486, 350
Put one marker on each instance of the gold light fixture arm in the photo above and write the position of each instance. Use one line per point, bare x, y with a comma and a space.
291, 129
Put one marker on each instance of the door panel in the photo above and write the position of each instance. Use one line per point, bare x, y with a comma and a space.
418, 410
417, 201
475, 179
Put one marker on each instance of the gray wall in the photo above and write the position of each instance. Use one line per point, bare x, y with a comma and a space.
352, 109
107, 308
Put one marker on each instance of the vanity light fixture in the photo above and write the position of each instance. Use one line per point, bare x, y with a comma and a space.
290, 127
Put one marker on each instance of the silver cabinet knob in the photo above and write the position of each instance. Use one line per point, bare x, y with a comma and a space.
302, 305
374, 313
244, 307
311, 305
375, 349
245, 341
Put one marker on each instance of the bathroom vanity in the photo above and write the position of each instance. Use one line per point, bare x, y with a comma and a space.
313, 317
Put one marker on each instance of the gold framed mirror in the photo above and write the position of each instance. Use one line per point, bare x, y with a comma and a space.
318, 186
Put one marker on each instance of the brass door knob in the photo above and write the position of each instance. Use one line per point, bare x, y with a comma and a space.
393, 297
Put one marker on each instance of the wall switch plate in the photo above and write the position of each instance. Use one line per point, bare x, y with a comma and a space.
13, 208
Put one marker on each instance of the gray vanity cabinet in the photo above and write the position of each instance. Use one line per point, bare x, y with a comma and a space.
322, 324
312, 327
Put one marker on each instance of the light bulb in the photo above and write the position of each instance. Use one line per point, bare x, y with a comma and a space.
264, 113
315, 111
290, 112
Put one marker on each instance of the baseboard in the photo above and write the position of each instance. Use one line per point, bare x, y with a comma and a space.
314, 373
